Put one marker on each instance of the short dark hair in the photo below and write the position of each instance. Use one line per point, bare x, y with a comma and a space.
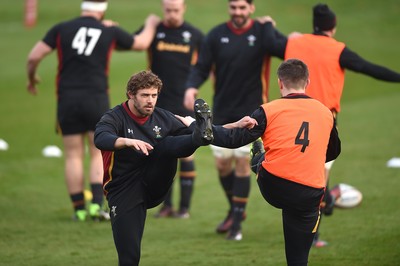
248, 1
293, 73
143, 80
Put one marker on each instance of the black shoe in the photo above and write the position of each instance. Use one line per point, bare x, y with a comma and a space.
202, 134
318, 243
257, 148
257, 154
235, 235
182, 214
227, 223
165, 211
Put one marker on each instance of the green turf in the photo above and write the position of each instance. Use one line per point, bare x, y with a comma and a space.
35, 225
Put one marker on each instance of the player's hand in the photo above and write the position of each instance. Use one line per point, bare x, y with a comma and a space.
109, 23
295, 34
265, 19
153, 20
190, 97
247, 122
32, 85
139, 145
187, 120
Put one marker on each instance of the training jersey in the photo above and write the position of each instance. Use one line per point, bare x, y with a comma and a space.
84, 47
239, 60
327, 59
299, 136
171, 55
123, 168
321, 55
296, 139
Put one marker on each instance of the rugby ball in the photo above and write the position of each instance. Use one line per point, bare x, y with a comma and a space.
346, 196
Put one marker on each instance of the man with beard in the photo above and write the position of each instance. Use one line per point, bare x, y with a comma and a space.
238, 52
140, 144
83, 47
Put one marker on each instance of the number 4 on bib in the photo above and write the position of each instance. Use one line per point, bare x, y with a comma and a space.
302, 136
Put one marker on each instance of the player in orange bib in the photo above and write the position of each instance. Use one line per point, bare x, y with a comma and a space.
327, 60
298, 135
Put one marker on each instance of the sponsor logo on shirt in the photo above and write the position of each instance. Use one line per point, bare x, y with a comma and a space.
172, 47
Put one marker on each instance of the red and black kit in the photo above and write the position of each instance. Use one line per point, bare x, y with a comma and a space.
134, 182
240, 60
84, 47
171, 55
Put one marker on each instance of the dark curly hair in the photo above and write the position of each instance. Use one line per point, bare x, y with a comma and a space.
143, 80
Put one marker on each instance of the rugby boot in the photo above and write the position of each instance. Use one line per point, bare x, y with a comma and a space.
203, 134
165, 211
227, 223
256, 154
235, 235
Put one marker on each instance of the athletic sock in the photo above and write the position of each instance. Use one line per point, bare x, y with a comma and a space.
78, 201
187, 176
227, 185
97, 191
168, 198
241, 190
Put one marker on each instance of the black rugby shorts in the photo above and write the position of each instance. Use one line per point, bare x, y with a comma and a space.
81, 115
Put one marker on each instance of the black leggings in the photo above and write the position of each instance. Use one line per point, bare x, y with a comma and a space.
158, 173
300, 213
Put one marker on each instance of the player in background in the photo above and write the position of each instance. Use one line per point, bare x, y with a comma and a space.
172, 52
84, 47
238, 53
327, 60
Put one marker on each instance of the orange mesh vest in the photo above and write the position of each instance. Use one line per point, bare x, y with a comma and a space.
321, 55
296, 139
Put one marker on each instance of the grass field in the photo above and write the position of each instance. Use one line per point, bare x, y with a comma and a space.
35, 225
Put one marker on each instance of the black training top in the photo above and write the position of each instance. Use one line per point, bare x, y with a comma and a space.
171, 55
239, 59
123, 167
84, 47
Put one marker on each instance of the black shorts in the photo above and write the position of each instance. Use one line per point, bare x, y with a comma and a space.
284, 194
79, 115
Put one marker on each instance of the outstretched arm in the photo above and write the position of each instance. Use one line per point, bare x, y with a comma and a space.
352, 61
241, 132
245, 122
